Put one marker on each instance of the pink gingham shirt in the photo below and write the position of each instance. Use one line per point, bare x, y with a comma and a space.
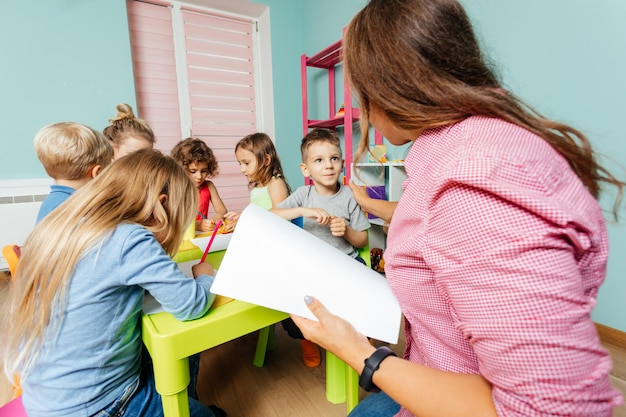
495, 253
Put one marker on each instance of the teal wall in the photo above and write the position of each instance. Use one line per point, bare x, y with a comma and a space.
568, 60
70, 60
62, 60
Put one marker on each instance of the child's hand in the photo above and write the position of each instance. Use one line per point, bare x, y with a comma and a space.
232, 216
202, 268
205, 225
338, 226
319, 214
214, 221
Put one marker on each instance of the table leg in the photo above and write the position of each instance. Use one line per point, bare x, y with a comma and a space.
176, 405
335, 379
352, 388
171, 378
261, 346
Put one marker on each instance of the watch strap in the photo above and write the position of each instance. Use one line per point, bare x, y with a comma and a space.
371, 365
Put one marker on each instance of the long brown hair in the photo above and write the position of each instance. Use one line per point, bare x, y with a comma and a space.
419, 62
261, 146
144, 187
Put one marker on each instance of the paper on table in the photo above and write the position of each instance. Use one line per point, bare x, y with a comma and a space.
220, 243
274, 263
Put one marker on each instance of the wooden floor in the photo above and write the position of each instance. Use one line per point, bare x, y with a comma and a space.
284, 386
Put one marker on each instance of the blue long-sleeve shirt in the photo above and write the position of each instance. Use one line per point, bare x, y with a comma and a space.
96, 352
58, 194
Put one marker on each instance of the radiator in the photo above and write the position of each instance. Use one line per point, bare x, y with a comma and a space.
19, 204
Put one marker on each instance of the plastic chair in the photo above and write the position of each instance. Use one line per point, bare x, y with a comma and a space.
365, 253
12, 255
13, 408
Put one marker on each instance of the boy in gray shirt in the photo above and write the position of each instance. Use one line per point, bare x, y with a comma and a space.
329, 209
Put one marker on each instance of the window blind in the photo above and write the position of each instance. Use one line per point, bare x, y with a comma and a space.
154, 66
216, 84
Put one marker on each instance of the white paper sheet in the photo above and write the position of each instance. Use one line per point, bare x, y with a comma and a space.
274, 263
219, 243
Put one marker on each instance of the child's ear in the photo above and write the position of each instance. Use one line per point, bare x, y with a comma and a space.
163, 198
94, 170
268, 159
305, 170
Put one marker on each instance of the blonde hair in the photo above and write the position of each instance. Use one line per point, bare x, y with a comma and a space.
419, 62
125, 125
145, 187
69, 150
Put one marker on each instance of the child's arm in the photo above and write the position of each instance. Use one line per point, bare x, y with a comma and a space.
218, 205
320, 215
278, 191
207, 225
338, 227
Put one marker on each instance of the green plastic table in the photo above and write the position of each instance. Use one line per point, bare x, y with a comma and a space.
170, 343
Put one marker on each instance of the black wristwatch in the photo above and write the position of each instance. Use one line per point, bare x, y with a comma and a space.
371, 365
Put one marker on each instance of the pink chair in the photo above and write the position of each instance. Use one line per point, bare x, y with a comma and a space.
13, 408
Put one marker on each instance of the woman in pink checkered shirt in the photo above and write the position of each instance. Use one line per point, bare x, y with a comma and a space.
498, 246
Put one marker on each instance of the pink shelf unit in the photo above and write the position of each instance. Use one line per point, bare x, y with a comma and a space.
328, 59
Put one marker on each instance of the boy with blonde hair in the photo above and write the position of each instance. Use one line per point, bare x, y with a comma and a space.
72, 154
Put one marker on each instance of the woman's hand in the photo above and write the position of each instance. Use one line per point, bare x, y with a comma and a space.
360, 193
379, 208
334, 334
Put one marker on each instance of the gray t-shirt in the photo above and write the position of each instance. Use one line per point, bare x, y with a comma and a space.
341, 204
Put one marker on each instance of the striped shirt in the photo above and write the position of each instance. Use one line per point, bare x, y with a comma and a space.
495, 253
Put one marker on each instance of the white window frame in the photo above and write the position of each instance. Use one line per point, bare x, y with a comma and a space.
264, 86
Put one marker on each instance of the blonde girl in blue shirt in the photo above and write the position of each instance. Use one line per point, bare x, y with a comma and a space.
75, 333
